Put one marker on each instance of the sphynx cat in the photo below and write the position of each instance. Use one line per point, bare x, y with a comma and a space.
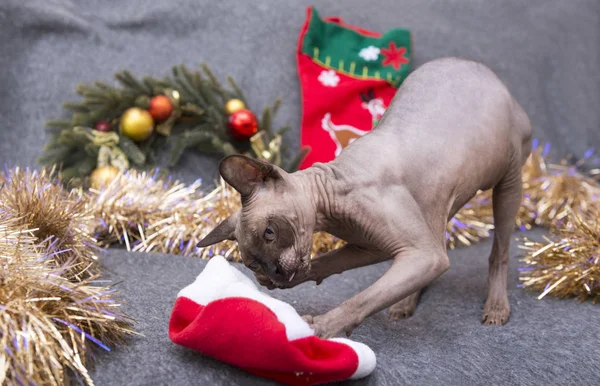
451, 130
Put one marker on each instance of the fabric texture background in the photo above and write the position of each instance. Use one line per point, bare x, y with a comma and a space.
546, 51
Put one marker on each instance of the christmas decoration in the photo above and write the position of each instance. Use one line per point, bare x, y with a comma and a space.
102, 126
49, 324
224, 309
137, 124
166, 220
369, 53
394, 56
174, 217
348, 76
197, 119
328, 78
564, 191
234, 105
568, 265
53, 314
243, 124
160, 107
475, 220
472, 223
102, 176
56, 217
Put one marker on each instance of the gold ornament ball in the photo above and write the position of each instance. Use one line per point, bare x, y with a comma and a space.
234, 105
102, 176
137, 124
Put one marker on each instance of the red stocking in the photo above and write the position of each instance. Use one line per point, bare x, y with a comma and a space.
348, 76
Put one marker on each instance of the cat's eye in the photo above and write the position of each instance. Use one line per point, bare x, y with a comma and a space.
269, 234
254, 265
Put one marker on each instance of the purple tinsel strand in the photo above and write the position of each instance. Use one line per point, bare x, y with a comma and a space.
72, 326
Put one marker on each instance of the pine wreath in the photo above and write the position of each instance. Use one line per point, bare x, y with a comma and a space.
131, 126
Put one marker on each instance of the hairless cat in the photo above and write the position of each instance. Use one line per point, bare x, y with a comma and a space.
451, 130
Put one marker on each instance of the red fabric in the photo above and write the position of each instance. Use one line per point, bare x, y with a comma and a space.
255, 340
343, 102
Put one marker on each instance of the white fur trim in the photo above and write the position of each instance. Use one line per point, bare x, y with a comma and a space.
366, 357
220, 280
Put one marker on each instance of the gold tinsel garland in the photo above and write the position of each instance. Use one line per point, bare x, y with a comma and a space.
136, 203
173, 217
53, 312
564, 191
58, 218
568, 264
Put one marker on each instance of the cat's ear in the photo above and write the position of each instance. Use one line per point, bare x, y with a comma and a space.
223, 231
247, 174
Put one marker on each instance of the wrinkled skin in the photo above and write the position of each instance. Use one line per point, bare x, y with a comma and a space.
271, 198
452, 129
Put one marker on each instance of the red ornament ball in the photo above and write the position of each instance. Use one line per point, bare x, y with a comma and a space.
243, 124
102, 126
160, 108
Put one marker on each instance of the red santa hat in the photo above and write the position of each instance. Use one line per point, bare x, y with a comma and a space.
225, 316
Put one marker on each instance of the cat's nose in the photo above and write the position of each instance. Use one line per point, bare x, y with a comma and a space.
274, 271
270, 268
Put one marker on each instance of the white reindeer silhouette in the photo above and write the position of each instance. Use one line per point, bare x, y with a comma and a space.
344, 135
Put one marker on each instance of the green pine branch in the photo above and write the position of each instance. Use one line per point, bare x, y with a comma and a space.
201, 123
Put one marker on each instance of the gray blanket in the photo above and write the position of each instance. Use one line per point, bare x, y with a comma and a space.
547, 52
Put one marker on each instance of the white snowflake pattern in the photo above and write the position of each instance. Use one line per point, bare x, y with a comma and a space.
329, 78
369, 53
